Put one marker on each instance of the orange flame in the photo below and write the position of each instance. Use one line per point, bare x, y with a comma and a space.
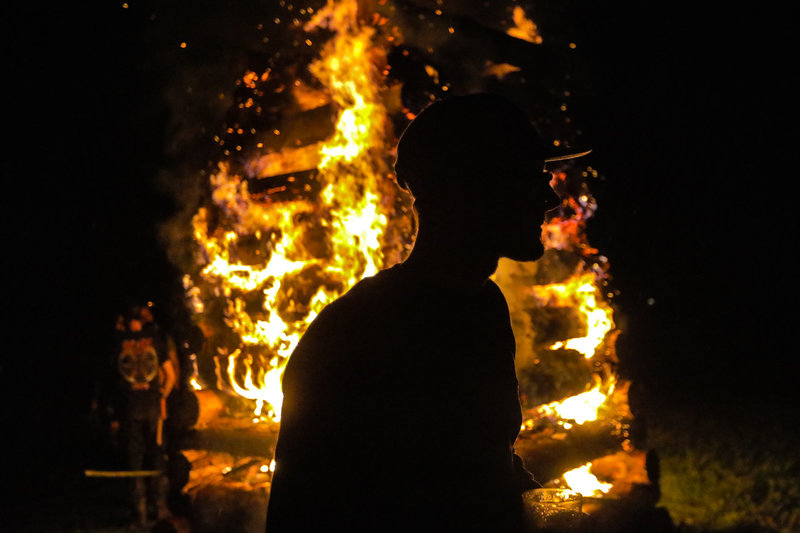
581, 408
580, 291
582, 480
524, 28
348, 210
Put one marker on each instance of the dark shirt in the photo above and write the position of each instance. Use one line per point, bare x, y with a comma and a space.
140, 355
400, 413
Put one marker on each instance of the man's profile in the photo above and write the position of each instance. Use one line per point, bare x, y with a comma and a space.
401, 403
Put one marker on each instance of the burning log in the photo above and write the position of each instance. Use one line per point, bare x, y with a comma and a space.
183, 410
226, 492
286, 161
236, 436
290, 185
308, 127
549, 454
122, 473
626, 469
210, 407
233, 509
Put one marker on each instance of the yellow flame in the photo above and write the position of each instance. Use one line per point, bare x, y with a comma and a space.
582, 480
580, 408
581, 291
348, 209
263, 388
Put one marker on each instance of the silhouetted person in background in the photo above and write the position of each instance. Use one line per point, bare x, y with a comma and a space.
401, 404
145, 377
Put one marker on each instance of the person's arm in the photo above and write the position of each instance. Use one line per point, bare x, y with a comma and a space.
169, 378
308, 429
167, 385
523, 479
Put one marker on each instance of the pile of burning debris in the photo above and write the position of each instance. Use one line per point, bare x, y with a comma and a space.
304, 205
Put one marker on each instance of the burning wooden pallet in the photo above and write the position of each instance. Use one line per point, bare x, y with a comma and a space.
306, 205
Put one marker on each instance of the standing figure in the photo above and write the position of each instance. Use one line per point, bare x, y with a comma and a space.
401, 403
145, 377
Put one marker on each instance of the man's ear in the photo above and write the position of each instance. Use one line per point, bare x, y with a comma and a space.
401, 181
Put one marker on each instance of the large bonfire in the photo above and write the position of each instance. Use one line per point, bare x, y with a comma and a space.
303, 211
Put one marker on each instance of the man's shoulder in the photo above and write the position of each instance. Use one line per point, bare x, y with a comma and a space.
344, 330
370, 291
358, 304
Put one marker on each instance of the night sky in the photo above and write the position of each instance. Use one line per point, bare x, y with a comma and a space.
689, 114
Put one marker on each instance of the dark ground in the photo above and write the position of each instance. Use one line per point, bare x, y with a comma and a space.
723, 470
690, 114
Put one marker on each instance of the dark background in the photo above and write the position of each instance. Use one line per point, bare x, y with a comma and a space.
690, 114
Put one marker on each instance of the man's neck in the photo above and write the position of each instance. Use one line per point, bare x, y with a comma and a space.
451, 260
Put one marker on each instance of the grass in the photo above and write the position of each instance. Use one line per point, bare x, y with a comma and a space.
728, 469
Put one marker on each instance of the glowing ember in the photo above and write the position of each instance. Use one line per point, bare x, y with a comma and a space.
582, 480
524, 28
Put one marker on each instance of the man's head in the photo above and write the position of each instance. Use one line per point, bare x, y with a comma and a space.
138, 316
477, 163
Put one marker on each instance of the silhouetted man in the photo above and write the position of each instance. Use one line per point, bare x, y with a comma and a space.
401, 404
